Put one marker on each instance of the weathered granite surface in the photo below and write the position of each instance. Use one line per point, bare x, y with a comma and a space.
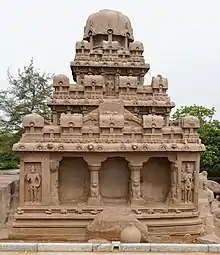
9, 184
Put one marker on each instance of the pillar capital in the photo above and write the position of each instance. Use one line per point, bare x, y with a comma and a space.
135, 167
54, 165
94, 167
92, 160
135, 160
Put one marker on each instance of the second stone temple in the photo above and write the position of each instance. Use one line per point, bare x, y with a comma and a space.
111, 143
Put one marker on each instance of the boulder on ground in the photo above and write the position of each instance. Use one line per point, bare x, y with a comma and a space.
111, 221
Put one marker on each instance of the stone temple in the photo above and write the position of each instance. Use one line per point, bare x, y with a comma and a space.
111, 146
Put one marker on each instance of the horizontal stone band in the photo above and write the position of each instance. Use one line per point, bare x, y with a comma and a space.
108, 247
106, 147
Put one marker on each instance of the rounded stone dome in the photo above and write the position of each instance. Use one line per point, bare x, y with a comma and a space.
103, 21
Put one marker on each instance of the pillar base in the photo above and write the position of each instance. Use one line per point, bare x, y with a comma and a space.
139, 201
94, 201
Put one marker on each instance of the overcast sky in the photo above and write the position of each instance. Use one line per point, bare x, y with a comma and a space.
181, 39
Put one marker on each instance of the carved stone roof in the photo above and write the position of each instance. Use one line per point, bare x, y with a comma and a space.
109, 108
101, 22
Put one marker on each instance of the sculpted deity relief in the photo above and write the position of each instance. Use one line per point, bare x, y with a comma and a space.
135, 184
135, 188
33, 180
187, 182
95, 190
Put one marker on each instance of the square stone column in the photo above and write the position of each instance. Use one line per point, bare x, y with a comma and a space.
95, 196
135, 185
174, 196
54, 171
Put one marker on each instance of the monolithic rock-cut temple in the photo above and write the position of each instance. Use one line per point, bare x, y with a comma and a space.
111, 144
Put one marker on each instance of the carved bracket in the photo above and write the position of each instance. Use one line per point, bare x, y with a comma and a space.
54, 165
135, 161
94, 161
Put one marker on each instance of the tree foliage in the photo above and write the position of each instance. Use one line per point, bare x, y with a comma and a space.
204, 114
29, 91
209, 134
8, 159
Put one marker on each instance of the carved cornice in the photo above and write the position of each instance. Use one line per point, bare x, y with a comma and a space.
95, 100
106, 147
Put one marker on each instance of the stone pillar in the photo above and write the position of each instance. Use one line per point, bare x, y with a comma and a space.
54, 171
174, 197
95, 196
196, 181
135, 185
167, 119
22, 182
46, 194
55, 118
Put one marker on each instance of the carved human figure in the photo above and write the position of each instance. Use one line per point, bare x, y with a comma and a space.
136, 190
94, 188
34, 182
187, 184
204, 191
110, 88
206, 203
160, 89
135, 183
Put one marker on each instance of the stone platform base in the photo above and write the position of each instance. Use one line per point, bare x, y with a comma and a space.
159, 230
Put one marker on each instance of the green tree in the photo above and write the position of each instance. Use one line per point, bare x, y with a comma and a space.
209, 134
8, 159
204, 114
29, 91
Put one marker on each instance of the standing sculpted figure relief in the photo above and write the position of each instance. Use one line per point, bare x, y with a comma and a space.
95, 190
34, 182
136, 190
187, 184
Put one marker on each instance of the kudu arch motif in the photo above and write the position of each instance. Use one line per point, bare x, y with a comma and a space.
108, 114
